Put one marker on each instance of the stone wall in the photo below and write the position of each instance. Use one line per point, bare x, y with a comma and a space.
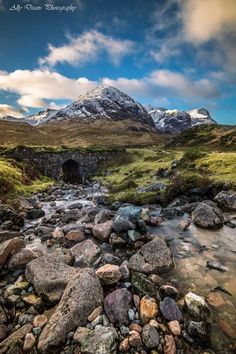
50, 162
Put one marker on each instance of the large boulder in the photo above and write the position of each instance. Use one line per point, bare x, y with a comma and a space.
226, 200
102, 340
20, 259
208, 216
49, 275
86, 252
8, 248
153, 258
8, 234
81, 297
116, 306
127, 218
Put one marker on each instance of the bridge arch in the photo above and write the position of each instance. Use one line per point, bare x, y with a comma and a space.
71, 172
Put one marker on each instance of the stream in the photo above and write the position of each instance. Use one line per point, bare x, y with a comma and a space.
191, 249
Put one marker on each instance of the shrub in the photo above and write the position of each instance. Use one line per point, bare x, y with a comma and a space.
192, 154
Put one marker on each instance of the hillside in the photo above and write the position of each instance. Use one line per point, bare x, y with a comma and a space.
209, 136
73, 134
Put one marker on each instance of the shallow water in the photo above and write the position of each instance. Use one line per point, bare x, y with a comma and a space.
192, 249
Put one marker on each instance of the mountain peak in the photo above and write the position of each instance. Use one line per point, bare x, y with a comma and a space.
104, 102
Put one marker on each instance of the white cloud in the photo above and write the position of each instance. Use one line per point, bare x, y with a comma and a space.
6, 109
207, 19
181, 86
43, 84
31, 101
87, 48
38, 86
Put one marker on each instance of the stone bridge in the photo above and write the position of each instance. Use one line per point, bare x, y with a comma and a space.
71, 165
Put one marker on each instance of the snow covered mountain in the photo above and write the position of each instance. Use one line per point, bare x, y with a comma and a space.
201, 116
104, 102
175, 121
34, 119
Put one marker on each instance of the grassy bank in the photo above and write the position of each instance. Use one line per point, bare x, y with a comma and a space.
19, 179
195, 169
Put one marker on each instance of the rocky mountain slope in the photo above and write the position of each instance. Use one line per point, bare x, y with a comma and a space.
175, 121
104, 102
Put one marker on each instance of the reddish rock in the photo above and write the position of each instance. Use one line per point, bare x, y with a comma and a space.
148, 309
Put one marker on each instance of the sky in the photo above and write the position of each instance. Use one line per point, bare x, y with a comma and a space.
177, 54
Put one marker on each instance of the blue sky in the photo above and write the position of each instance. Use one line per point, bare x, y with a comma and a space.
173, 53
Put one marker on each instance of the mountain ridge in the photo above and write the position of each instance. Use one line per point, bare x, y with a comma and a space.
107, 102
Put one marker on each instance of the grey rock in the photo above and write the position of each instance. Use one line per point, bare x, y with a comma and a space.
150, 336
196, 306
217, 265
154, 257
86, 252
49, 275
103, 216
100, 341
20, 259
126, 218
200, 331
8, 248
226, 200
35, 214
81, 297
207, 216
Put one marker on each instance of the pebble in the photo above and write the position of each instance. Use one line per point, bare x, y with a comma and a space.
135, 339
196, 306
37, 330
150, 336
131, 314
175, 328
124, 330
169, 346
148, 309
170, 309
29, 342
40, 321
135, 327
109, 274
97, 312
124, 345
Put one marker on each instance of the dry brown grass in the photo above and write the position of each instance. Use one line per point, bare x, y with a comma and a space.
75, 134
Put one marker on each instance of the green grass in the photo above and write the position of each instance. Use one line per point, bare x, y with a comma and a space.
220, 137
139, 170
197, 168
18, 180
220, 166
